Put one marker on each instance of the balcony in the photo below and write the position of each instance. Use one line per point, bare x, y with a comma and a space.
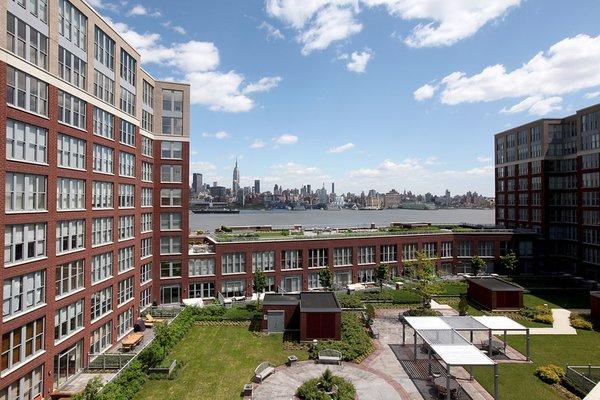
200, 249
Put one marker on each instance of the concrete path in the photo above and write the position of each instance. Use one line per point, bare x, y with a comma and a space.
561, 325
594, 394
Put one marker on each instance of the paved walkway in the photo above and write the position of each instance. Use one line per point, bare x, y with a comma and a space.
561, 325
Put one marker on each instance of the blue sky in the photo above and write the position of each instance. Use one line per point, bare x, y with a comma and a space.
379, 94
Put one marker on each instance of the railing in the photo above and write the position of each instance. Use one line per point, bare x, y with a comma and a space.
195, 249
583, 377
163, 311
109, 361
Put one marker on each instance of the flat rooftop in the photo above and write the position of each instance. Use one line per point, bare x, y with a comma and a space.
496, 284
319, 302
281, 299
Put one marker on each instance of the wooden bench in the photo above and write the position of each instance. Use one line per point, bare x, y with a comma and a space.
330, 356
132, 340
262, 371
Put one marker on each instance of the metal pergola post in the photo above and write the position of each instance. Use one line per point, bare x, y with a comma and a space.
527, 354
490, 343
415, 343
505, 342
471, 336
403, 333
470, 372
429, 359
447, 382
495, 381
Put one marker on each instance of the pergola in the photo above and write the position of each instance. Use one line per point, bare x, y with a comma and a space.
441, 335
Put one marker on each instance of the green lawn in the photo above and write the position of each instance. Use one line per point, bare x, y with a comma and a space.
518, 382
558, 298
218, 361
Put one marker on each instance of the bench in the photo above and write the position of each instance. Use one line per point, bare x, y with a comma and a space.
330, 356
262, 371
132, 340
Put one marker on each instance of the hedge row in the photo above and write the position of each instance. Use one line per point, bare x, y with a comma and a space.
355, 341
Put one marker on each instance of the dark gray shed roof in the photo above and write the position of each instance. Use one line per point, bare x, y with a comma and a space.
281, 299
319, 302
496, 284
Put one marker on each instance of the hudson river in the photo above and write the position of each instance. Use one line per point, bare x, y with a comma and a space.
343, 218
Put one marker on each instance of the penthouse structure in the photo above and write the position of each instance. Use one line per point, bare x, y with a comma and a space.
95, 174
547, 179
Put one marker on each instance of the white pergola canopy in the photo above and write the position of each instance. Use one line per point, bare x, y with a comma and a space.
426, 323
463, 355
499, 323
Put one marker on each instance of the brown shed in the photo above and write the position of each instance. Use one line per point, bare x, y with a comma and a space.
595, 304
495, 293
281, 313
320, 316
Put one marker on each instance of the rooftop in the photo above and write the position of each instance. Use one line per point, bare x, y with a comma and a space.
496, 284
319, 302
281, 299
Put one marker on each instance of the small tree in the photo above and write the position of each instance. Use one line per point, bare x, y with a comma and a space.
91, 391
423, 272
326, 278
259, 283
381, 274
477, 265
463, 305
509, 262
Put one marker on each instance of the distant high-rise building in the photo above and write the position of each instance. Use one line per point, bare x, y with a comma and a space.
257, 186
215, 184
332, 187
276, 189
236, 177
308, 190
197, 182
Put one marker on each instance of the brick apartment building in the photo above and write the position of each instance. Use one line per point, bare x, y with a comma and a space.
95, 188
547, 179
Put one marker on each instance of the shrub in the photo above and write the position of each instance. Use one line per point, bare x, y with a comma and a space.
317, 388
421, 312
544, 318
349, 301
370, 311
550, 373
355, 340
581, 321
463, 305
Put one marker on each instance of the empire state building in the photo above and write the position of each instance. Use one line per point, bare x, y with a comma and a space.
236, 178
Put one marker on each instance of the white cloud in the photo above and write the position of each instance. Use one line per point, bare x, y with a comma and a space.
424, 92
484, 159
341, 149
567, 67
358, 61
193, 152
319, 23
197, 63
100, 4
292, 174
286, 139
139, 9
272, 32
432, 160
592, 95
202, 166
217, 135
257, 144
179, 29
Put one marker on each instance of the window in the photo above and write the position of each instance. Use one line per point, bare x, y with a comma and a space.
172, 126
126, 164
342, 256
147, 121
465, 249
409, 252
172, 100
171, 150
68, 319
591, 180
128, 65
125, 290
201, 267
102, 195
71, 68
104, 49
127, 103
264, 261
25, 142
126, 196
146, 222
39, 9
102, 231
170, 221
233, 263
145, 298
26, 42
70, 235
26, 92
366, 254
170, 173
126, 227
125, 322
126, 259
291, 259
22, 344
101, 338
170, 197
127, 133
170, 245
146, 172
147, 147
146, 248
24, 243
289, 284
366, 275
314, 282
203, 290
24, 192
446, 249
102, 267
72, 24
146, 200
317, 258
104, 87
236, 288
103, 123
69, 277
146, 273
147, 94
70, 194
170, 269
29, 386
71, 152
342, 278
429, 250
71, 110
22, 293
103, 159
389, 253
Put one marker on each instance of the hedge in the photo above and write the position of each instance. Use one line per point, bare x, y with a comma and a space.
355, 341
550, 373
316, 388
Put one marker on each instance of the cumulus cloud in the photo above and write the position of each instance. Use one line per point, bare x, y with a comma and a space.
318, 23
484, 159
341, 149
257, 144
568, 66
357, 61
217, 135
294, 174
424, 92
197, 63
272, 32
139, 9
592, 95
286, 139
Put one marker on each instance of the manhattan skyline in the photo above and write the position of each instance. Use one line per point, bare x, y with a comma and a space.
345, 91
